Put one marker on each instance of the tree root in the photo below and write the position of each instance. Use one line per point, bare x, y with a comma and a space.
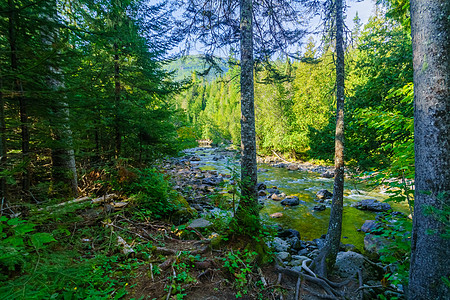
319, 281
320, 295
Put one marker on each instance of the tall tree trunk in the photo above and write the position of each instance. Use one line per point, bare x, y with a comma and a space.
3, 149
64, 169
118, 136
18, 89
430, 250
327, 257
247, 214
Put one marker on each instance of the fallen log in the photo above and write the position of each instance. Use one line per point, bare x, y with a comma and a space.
81, 199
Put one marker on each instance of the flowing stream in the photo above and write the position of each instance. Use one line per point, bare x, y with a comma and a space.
310, 223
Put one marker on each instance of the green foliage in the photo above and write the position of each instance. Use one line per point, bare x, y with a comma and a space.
151, 192
16, 243
240, 265
396, 253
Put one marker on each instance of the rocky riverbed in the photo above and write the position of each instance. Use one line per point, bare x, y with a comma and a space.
295, 200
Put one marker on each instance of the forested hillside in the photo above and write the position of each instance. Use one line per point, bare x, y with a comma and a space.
294, 100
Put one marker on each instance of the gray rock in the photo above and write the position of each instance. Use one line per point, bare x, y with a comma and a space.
199, 223
369, 226
295, 243
372, 205
348, 263
212, 180
324, 194
273, 190
291, 201
374, 243
280, 245
319, 242
261, 186
327, 174
283, 255
289, 233
319, 207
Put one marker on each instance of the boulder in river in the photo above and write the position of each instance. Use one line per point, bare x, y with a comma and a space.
212, 180
327, 174
261, 186
276, 215
324, 194
278, 197
372, 205
273, 190
288, 233
292, 167
319, 207
291, 201
262, 193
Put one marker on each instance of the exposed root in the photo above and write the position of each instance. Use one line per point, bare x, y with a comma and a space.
297, 288
323, 296
322, 283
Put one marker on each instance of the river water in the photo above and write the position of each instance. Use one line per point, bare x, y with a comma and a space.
310, 223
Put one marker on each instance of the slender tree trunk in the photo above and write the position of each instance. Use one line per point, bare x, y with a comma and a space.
25, 135
247, 213
430, 250
3, 149
118, 135
327, 257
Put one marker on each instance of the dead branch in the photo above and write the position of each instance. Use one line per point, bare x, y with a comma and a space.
81, 199
280, 157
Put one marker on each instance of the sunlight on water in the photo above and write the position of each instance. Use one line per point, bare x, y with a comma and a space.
311, 224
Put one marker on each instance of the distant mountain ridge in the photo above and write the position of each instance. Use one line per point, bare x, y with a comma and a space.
185, 66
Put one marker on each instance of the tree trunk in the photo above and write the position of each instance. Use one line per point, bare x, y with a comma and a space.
247, 214
327, 258
430, 250
18, 89
3, 150
118, 136
64, 169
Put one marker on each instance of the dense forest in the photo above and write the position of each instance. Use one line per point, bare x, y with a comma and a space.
99, 195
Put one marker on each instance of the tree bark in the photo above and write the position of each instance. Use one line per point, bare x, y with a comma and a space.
3, 149
64, 169
247, 213
18, 89
430, 250
118, 136
327, 258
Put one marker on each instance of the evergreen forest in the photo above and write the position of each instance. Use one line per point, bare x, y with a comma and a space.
108, 191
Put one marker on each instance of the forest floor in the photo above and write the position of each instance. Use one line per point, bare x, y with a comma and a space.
108, 248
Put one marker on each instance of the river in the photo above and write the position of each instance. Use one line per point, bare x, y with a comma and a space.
310, 223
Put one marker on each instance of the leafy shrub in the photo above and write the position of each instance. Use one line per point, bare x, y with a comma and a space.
152, 192
16, 244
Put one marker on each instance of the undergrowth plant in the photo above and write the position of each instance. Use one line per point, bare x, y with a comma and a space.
240, 264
